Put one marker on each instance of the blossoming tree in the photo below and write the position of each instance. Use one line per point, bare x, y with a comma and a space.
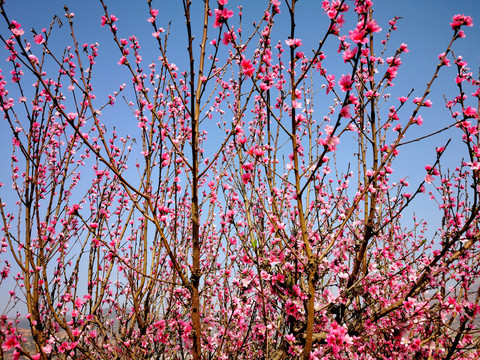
219, 216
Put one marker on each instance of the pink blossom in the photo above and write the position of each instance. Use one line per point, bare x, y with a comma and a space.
332, 12
47, 349
391, 72
33, 59
291, 308
338, 338
290, 338
247, 166
73, 210
228, 37
335, 29
428, 178
346, 82
154, 13
372, 26
345, 112
331, 83
248, 68
460, 78
246, 177
11, 342
460, 20
340, 21
460, 62
300, 118
160, 324
418, 120
294, 42
165, 159
349, 54
443, 58
221, 16
79, 303
470, 112
16, 28
276, 6
38, 39
242, 140
330, 142
258, 152
358, 36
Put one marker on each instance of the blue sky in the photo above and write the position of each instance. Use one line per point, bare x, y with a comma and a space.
424, 27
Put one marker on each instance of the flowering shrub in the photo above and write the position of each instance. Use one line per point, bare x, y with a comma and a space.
220, 218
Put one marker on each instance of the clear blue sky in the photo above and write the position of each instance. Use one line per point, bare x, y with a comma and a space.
424, 27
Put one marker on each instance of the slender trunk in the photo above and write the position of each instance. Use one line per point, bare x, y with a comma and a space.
195, 95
